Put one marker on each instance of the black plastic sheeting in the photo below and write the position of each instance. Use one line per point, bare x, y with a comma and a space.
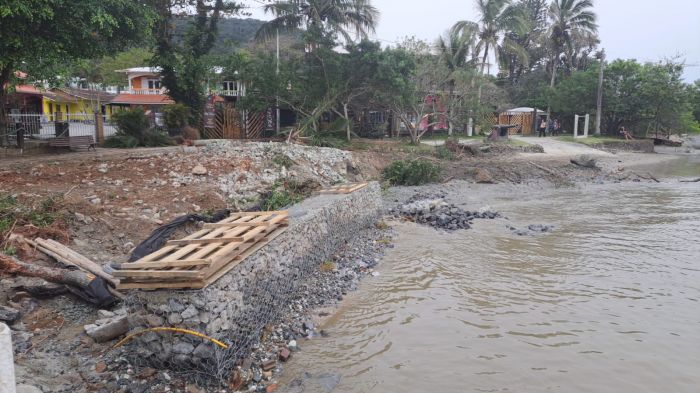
96, 293
161, 234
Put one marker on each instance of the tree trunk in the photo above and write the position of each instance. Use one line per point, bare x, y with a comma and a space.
347, 120
4, 84
599, 103
74, 278
551, 87
483, 68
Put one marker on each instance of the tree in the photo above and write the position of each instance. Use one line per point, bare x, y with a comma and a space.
572, 21
534, 14
183, 61
319, 18
496, 18
39, 35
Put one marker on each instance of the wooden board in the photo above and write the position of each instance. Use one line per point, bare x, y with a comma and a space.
203, 257
343, 188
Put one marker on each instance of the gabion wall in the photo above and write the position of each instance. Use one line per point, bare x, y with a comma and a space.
237, 307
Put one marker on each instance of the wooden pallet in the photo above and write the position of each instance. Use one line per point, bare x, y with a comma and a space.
346, 188
198, 260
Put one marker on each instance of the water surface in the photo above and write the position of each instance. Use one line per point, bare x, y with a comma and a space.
608, 302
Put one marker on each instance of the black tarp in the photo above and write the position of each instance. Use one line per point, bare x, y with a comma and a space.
161, 234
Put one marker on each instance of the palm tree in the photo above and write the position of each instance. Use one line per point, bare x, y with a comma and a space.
497, 17
456, 51
572, 21
320, 17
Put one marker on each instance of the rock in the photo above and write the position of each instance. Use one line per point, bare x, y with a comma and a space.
102, 168
189, 312
8, 314
271, 388
22, 388
204, 351
83, 218
115, 328
95, 201
585, 161
100, 367
483, 176
285, 354
267, 375
174, 319
268, 365
105, 314
183, 348
154, 320
199, 170
19, 296
175, 305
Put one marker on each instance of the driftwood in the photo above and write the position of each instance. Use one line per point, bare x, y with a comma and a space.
74, 278
540, 167
69, 257
691, 181
648, 177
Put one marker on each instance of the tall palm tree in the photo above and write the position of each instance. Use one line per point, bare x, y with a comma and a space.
496, 18
572, 20
456, 51
343, 17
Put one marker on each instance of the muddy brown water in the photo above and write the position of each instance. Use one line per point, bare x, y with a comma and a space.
608, 302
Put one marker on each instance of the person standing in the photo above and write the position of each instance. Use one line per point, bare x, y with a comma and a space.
543, 128
557, 127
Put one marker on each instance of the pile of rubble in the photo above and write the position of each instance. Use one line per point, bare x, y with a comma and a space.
439, 214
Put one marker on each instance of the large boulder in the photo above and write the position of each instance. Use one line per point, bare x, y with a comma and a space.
585, 161
483, 176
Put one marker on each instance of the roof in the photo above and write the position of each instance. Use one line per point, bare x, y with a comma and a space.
85, 94
523, 110
28, 89
142, 99
152, 70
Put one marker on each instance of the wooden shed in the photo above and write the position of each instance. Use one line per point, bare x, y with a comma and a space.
522, 117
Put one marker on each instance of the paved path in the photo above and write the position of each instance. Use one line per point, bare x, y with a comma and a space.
557, 148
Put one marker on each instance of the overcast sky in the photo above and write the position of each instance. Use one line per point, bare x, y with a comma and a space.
645, 30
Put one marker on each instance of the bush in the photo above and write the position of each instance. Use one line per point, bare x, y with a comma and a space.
411, 172
175, 118
191, 133
443, 153
282, 160
133, 129
282, 195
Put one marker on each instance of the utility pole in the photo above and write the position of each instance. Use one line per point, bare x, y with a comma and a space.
599, 109
277, 72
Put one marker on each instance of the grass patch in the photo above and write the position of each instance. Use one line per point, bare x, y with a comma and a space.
327, 267
411, 172
384, 241
591, 140
282, 160
382, 225
12, 212
281, 195
443, 153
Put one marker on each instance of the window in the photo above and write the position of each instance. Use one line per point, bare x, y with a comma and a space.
154, 84
230, 86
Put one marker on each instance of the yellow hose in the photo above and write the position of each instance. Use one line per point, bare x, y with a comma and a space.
168, 329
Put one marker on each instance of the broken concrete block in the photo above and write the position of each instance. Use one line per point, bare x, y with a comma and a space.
108, 331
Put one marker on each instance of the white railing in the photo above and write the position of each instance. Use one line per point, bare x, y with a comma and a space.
230, 93
41, 126
146, 91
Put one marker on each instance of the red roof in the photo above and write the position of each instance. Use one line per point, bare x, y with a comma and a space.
142, 99
28, 89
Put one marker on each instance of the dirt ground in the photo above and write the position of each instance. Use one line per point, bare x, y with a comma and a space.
110, 200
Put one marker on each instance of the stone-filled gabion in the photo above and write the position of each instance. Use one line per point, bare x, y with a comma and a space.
439, 214
236, 308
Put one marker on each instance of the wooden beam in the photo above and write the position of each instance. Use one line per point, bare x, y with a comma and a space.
132, 274
206, 241
162, 264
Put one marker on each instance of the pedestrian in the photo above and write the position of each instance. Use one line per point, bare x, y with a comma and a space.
557, 127
543, 128
626, 134
550, 127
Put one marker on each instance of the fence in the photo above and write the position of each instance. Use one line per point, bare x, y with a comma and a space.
43, 127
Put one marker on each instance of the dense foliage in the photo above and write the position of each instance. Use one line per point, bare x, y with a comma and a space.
134, 129
411, 172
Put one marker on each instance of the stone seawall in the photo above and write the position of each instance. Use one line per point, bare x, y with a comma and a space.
258, 292
637, 145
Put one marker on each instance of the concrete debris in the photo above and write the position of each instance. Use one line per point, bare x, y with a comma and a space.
439, 214
108, 328
8, 314
199, 170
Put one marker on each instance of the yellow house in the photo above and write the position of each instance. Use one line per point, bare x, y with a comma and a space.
76, 104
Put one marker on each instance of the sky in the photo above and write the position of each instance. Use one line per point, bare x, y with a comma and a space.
646, 30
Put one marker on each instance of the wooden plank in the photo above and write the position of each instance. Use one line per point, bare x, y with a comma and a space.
235, 224
162, 264
207, 241
162, 285
239, 258
133, 274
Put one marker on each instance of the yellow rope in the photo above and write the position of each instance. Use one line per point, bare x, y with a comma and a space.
167, 329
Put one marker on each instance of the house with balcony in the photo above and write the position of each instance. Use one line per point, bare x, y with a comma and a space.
144, 90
